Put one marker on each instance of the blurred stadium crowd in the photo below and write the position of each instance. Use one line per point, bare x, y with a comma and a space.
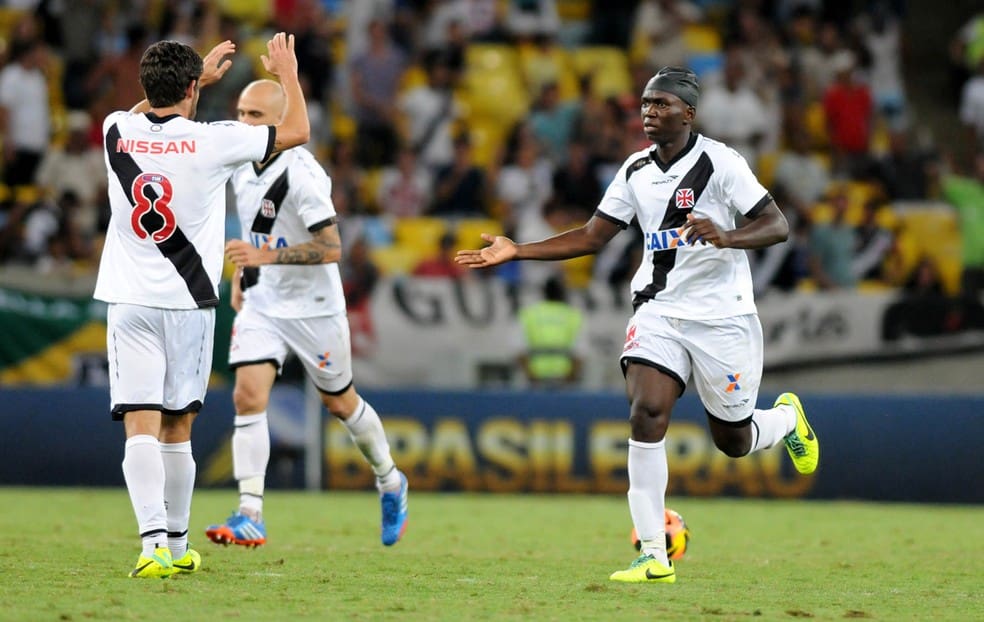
438, 120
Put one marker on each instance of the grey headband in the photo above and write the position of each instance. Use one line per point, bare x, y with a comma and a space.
681, 82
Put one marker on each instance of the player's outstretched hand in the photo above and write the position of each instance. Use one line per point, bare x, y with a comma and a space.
502, 249
281, 60
213, 66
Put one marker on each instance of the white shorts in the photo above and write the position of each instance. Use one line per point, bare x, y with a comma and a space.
159, 359
322, 344
725, 356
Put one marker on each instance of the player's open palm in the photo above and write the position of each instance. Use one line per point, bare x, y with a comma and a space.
280, 59
213, 67
501, 250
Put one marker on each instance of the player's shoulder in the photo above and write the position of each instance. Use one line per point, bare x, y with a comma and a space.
634, 162
304, 165
719, 151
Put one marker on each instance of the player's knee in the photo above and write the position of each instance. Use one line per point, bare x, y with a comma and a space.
648, 421
732, 445
248, 399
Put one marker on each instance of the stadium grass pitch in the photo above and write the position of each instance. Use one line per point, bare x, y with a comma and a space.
65, 554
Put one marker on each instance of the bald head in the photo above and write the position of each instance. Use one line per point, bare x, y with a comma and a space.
261, 103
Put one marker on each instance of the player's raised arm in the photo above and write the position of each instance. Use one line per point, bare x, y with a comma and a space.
585, 240
213, 68
294, 129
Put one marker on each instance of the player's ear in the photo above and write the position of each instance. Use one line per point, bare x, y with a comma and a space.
690, 114
192, 88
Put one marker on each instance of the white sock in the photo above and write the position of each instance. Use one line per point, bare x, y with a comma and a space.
769, 426
179, 485
250, 455
143, 471
366, 430
648, 475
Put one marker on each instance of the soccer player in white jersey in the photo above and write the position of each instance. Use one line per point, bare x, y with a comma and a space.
288, 297
692, 295
160, 269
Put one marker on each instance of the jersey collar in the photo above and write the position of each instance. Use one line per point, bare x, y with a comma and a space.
683, 152
259, 169
154, 118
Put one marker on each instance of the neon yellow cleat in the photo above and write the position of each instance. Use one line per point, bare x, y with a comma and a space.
645, 569
801, 443
157, 566
190, 562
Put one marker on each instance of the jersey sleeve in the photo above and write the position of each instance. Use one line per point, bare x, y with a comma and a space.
234, 142
618, 205
739, 187
314, 197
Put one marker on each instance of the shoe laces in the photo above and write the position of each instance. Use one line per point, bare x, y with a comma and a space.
796, 445
642, 559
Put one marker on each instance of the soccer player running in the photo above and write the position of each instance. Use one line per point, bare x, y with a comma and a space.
692, 295
288, 297
160, 269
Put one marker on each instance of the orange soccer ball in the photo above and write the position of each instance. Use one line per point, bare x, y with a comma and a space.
677, 535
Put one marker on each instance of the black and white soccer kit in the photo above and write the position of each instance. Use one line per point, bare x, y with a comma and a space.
290, 308
695, 312
162, 258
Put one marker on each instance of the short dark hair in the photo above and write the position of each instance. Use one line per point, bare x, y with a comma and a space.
166, 68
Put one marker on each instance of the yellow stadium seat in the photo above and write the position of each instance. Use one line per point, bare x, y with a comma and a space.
422, 234
486, 58
497, 97
949, 261
766, 168
608, 67
702, 38
487, 139
468, 233
413, 77
395, 259
815, 122
540, 67
369, 189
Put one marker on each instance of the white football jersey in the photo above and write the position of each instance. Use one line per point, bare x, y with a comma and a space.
166, 233
280, 205
711, 180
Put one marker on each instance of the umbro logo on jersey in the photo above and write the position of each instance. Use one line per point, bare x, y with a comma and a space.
665, 180
268, 209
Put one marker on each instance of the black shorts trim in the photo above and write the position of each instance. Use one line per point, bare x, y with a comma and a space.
120, 410
235, 366
334, 393
731, 424
625, 360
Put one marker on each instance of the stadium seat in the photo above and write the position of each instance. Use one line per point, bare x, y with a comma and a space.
540, 67
491, 58
702, 38
766, 167
421, 234
468, 232
815, 122
608, 67
487, 138
396, 259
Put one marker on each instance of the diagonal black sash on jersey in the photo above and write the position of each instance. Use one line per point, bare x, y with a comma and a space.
263, 224
696, 179
176, 248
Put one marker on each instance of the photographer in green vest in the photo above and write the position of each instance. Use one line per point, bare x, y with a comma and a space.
551, 330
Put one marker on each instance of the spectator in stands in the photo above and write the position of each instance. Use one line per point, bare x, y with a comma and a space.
881, 35
347, 178
111, 84
575, 183
25, 121
406, 188
553, 121
966, 194
219, 100
967, 49
800, 173
658, 28
77, 167
731, 112
832, 247
461, 188
972, 108
873, 243
524, 184
375, 78
442, 264
527, 18
428, 113
552, 338
782, 266
359, 278
904, 171
848, 110
820, 57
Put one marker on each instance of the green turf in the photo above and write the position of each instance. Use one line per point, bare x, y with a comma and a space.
65, 553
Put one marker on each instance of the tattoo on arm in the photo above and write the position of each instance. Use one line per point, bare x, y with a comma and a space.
324, 248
